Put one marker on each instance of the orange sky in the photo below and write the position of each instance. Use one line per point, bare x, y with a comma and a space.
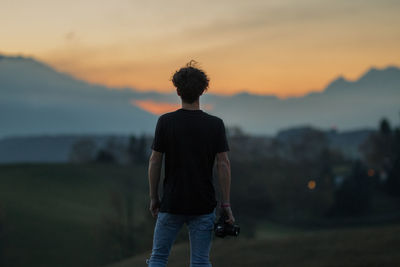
160, 107
285, 47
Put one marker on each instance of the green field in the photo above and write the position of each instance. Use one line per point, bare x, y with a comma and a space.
362, 247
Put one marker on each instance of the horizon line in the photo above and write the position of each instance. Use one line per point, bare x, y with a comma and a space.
244, 91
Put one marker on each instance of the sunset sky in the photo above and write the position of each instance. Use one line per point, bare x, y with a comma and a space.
280, 47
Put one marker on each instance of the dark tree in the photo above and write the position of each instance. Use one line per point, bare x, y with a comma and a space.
137, 149
104, 156
382, 153
132, 148
355, 195
384, 127
83, 151
393, 182
142, 149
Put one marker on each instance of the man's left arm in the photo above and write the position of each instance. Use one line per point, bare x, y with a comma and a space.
154, 173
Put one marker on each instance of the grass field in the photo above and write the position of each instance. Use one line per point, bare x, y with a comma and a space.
52, 213
362, 247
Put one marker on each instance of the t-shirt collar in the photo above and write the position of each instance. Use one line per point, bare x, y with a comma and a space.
190, 110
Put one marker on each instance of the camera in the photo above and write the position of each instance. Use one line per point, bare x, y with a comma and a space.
222, 228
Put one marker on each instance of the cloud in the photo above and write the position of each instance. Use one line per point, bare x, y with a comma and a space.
284, 47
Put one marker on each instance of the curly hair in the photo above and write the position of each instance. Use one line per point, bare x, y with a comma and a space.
190, 81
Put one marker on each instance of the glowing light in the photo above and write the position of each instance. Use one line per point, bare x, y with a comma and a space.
371, 172
161, 107
311, 184
154, 107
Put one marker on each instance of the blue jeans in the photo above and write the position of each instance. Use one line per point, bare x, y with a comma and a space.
200, 235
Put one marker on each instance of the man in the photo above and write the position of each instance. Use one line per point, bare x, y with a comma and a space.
192, 141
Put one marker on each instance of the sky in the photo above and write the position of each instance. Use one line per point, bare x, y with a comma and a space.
280, 47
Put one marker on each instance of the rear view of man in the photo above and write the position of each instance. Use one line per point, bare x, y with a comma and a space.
192, 141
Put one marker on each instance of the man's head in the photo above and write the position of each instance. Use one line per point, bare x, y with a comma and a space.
190, 82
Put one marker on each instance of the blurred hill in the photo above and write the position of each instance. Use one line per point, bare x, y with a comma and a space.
36, 99
37, 149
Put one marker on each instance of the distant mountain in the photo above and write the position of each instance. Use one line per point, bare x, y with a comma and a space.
343, 105
35, 99
347, 142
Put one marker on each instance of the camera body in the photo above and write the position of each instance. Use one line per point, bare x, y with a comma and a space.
222, 228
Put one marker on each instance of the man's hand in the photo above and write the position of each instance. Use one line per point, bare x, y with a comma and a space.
228, 212
154, 207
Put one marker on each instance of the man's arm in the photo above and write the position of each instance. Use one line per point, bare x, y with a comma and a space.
224, 177
154, 173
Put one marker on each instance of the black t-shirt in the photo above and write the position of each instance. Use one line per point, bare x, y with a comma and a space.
190, 140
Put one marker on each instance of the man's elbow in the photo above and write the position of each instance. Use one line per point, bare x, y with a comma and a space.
223, 160
156, 158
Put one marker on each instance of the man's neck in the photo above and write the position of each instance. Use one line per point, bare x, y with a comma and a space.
194, 106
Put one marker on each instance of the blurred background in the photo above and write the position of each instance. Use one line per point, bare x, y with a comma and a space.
309, 92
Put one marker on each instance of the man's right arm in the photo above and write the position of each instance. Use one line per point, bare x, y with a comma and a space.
224, 177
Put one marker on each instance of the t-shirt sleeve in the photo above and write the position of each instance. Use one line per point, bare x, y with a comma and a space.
158, 140
222, 142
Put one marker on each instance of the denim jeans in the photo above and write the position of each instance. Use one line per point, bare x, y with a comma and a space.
200, 236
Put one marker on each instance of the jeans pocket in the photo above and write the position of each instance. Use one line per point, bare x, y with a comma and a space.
169, 219
205, 222
161, 217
